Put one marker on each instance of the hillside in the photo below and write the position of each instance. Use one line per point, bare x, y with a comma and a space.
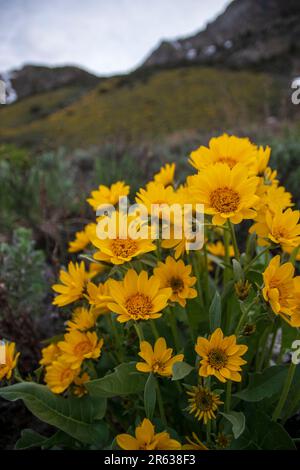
264, 34
148, 105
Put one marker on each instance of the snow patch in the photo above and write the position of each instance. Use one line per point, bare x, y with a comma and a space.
228, 44
11, 94
191, 54
210, 50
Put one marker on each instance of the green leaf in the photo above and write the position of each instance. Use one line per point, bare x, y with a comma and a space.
74, 416
215, 312
238, 272
29, 439
125, 380
181, 370
150, 396
264, 384
262, 433
237, 419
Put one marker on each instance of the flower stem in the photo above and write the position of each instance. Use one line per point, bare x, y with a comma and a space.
228, 396
243, 317
116, 334
139, 331
174, 329
285, 392
226, 274
154, 329
265, 250
294, 255
161, 404
234, 241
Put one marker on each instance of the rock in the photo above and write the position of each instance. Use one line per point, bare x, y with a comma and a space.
250, 33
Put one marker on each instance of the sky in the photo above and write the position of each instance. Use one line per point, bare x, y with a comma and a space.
103, 36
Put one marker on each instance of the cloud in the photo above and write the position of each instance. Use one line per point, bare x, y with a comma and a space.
103, 36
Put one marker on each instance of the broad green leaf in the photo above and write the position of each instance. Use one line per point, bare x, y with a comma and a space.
237, 419
150, 396
181, 370
292, 404
215, 312
262, 433
125, 380
264, 384
289, 334
74, 416
30, 439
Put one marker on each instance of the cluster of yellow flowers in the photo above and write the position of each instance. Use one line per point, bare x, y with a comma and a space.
234, 183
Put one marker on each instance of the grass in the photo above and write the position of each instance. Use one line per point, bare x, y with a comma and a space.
134, 109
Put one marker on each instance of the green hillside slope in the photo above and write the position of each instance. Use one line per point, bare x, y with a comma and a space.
133, 107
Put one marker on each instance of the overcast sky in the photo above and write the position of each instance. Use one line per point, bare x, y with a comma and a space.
104, 36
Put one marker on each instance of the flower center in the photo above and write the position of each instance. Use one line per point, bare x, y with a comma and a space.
224, 200
139, 306
217, 358
158, 366
177, 285
124, 248
82, 348
231, 162
203, 400
280, 232
65, 375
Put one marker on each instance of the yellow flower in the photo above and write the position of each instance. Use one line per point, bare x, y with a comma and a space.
262, 160
221, 356
50, 354
105, 195
281, 228
226, 193
59, 376
146, 439
121, 248
203, 403
278, 285
98, 297
182, 244
137, 297
156, 193
79, 389
225, 149
82, 320
177, 275
166, 175
273, 198
82, 239
196, 444
294, 319
78, 346
11, 359
73, 284
218, 249
159, 359
95, 269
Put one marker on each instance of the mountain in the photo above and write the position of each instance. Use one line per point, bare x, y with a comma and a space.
32, 79
250, 33
238, 79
